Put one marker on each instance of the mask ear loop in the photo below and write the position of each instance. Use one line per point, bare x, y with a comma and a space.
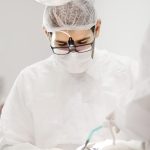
92, 55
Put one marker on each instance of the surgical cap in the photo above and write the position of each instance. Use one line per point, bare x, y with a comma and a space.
53, 2
68, 14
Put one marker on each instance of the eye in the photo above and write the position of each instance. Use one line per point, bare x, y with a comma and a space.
82, 42
62, 44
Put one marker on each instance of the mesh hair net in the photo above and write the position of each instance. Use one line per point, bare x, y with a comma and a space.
69, 15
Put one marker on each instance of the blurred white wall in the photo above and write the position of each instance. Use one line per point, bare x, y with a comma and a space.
22, 41
124, 23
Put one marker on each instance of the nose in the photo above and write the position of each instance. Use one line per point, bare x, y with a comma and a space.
72, 49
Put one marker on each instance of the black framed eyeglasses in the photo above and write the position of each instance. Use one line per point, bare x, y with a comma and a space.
64, 50
71, 47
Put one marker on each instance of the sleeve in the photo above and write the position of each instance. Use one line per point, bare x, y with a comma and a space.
134, 72
16, 120
134, 117
126, 98
145, 55
138, 117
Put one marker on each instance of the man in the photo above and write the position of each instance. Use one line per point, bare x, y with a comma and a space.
57, 101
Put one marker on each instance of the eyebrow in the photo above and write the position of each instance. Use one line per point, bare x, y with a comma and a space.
78, 41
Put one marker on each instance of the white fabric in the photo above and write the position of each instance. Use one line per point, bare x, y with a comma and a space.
48, 107
120, 145
133, 116
77, 14
145, 56
53, 2
79, 61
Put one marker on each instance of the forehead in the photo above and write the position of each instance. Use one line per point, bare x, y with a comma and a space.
75, 34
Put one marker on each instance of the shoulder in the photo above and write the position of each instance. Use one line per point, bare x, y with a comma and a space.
110, 57
122, 68
116, 61
37, 68
128, 65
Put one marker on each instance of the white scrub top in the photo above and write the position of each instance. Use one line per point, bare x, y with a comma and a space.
48, 106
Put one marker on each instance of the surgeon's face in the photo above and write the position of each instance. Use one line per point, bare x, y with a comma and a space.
65, 43
59, 39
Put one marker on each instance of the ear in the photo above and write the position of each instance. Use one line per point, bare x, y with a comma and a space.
46, 33
98, 27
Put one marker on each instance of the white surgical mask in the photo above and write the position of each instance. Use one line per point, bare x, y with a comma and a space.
74, 62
